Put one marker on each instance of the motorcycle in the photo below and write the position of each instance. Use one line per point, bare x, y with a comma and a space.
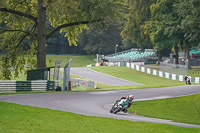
119, 106
188, 81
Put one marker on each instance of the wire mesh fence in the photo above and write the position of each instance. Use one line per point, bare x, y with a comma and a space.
173, 68
56, 69
78, 84
66, 76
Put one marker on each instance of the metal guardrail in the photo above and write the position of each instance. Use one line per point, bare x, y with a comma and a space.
36, 85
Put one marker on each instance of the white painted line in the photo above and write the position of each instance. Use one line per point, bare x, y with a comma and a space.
152, 98
103, 92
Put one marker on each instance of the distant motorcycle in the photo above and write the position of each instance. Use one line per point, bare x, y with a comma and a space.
119, 106
188, 81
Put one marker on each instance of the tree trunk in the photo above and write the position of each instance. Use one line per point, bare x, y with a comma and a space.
176, 53
58, 45
41, 36
187, 54
187, 50
159, 55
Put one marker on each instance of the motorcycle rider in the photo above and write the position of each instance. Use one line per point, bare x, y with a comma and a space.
187, 80
129, 100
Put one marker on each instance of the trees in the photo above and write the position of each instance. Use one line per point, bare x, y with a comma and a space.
100, 41
166, 24
163, 27
174, 23
28, 19
189, 13
139, 13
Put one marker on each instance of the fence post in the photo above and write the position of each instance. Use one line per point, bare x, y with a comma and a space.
66, 76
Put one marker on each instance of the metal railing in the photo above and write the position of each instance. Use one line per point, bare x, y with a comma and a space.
173, 68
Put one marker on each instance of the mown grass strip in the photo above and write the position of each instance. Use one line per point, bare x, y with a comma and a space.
181, 109
25, 119
77, 61
148, 81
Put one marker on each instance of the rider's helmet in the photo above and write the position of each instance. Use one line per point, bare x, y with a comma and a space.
130, 97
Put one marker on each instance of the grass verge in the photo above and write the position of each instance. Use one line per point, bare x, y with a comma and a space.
184, 109
148, 81
77, 61
22, 119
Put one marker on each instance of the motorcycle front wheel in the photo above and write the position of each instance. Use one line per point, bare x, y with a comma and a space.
113, 108
116, 110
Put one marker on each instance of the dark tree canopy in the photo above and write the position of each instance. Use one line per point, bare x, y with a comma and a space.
29, 20
167, 24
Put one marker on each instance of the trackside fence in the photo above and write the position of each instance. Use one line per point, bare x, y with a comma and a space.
36, 85
82, 84
139, 66
161, 73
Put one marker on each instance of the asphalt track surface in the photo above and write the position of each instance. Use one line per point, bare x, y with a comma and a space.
100, 77
99, 103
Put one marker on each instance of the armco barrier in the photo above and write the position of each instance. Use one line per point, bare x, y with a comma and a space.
35, 85
160, 73
138, 66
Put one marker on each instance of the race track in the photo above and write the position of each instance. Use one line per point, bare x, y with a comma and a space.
99, 103
100, 77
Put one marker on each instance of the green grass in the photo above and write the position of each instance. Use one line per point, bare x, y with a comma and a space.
181, 109
75, 76
194, 73
148, 81
77, 61
24, 119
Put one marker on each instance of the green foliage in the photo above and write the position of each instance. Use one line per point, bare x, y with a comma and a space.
163, 28
188, 11
104, 39
68, 12
139, 12
147, 80
77, 61
70, 17
165, 23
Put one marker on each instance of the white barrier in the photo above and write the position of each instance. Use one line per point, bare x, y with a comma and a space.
35, 85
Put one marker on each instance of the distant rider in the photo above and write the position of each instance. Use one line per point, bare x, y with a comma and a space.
187, 80
129, 100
